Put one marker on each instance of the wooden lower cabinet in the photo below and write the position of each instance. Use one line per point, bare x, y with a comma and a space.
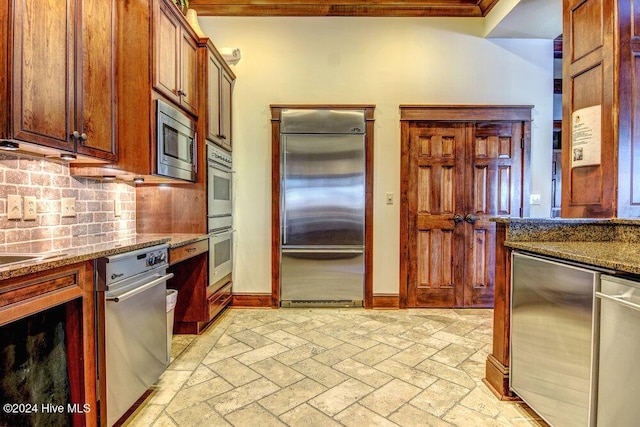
198, 304
69, 292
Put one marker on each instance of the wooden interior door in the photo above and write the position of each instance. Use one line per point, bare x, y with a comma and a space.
460, 175
493, 188
436, 196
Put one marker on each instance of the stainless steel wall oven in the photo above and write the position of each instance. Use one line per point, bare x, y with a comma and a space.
220, 215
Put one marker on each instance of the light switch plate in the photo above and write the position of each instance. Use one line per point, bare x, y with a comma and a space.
117, 207
389, 198
14, 206
30, 208
68, 208
534, 199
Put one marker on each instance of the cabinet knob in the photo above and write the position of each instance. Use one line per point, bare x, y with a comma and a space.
75, 134
182, 92
83, 136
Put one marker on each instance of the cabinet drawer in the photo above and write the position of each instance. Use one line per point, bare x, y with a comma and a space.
218, 301
187, 251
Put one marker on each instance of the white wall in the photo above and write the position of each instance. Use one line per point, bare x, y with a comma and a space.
381, 61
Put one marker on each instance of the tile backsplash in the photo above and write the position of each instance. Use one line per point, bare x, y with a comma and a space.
49, 182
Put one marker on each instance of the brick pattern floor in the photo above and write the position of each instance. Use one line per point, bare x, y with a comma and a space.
333, 367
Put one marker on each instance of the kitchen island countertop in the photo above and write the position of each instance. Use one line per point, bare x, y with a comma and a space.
619, 256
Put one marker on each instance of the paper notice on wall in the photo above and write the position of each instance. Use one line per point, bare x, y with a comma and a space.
586, 136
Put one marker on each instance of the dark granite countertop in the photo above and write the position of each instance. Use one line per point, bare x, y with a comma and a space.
620, 256
567, 221
611, 243
80, 250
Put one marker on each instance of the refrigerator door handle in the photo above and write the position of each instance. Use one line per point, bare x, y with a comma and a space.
322, 250
283, 190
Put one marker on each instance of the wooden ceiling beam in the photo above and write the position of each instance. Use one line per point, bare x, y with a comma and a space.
388, 8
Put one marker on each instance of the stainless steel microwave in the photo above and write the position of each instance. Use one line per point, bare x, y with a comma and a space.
176, 152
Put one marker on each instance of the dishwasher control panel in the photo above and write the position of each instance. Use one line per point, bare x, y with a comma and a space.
121, 267
156, 258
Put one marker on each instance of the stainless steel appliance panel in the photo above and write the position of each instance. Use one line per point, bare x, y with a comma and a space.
220, 257
618, 380
135, 339
176, 143
219, 188
552, 339
323, 190
305, 121
330, 274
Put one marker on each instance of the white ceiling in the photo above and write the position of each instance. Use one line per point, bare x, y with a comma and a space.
525, 19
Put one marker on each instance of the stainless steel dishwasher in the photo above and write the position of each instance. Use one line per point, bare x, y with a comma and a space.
132, 287
618, 380
553, 338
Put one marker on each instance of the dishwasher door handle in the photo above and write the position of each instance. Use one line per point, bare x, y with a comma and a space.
619, 299
135, 291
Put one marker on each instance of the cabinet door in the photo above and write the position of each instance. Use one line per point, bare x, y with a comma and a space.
214, 70
167, 56
188, 73
43, 72
226, 84
96, 93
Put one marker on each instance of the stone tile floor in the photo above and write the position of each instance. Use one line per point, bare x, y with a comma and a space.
332, 367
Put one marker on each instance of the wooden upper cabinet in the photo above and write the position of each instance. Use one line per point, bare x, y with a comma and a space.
175, 49
220, 80
98, 115
62, 82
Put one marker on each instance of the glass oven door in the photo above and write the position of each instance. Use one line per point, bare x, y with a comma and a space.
220, 257
219, 191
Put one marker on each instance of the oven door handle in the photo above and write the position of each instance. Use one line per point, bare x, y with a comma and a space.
135, 291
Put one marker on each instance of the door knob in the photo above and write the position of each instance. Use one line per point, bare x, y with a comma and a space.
471, 218
458, 218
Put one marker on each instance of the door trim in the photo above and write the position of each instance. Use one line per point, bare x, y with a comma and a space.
275, 196
452, 113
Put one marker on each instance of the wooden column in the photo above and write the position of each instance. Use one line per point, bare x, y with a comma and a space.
601, 47
497, 367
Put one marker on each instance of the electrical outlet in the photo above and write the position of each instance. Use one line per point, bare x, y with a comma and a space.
117, 207
68, 208
389, 197
534, 199
30, 208
14, 206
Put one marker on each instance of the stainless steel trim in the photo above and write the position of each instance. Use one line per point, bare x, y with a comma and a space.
619, 299
304, 121
133, 292
567, 262
320, 303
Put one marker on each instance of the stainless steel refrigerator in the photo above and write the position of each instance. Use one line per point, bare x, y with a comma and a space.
322, 207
